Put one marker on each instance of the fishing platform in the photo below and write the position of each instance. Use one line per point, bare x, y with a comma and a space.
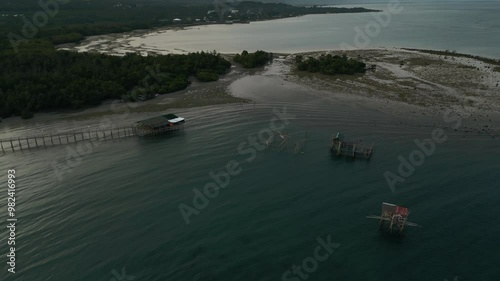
393, 218
159, 125
339, 147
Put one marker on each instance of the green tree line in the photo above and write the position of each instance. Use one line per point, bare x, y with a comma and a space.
330, 65
31, 81
251, 60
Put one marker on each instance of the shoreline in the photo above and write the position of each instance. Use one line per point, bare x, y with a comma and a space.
401, 90
114, 37
423, 72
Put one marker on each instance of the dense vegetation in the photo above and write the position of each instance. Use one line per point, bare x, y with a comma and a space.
30, 82
330, 65
251, 60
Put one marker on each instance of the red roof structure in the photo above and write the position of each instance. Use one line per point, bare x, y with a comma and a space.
393, 217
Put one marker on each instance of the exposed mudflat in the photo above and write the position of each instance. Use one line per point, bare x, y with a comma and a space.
427, 81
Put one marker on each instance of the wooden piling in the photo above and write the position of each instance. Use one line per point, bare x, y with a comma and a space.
122, 132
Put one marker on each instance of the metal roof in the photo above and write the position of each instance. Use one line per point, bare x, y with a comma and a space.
161, 120
176, 120
390, 209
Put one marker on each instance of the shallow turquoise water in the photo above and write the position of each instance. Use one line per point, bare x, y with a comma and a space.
119, 207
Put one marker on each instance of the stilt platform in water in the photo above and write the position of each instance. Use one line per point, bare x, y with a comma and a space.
394, 218
339, 147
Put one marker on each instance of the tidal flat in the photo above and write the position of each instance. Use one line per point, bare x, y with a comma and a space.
411, 77
404, 83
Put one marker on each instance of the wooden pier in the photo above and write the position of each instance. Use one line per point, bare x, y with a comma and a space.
340, 147
106, 134
62, 138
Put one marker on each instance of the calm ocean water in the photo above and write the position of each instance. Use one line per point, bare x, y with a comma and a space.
468, 27
118, 209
